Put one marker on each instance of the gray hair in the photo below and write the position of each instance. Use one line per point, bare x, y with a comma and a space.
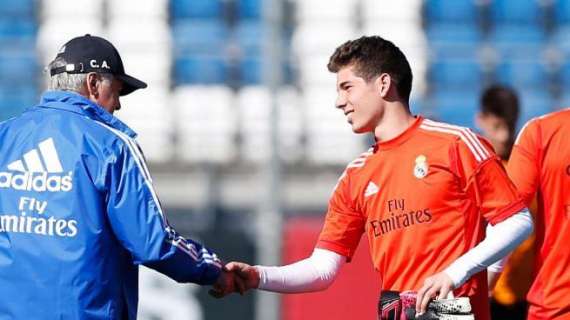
70, 81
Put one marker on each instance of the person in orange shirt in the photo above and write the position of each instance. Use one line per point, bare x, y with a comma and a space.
422, 193
540, 164
509, 284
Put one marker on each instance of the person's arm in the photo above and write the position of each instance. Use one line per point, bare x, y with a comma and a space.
138, 222
336, 245
504, 238
314, 273
495, 270
319, 270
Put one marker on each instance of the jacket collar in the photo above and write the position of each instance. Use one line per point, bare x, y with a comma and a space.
73, 102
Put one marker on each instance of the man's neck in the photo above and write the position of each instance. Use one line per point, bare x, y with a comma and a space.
396, 119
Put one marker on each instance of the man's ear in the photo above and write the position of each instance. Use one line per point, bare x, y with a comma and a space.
91, 84
383, 83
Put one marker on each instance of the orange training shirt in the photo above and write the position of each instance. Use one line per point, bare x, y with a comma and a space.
423, 199
540, 163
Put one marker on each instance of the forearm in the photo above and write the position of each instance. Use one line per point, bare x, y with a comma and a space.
501, 239
494, 270
184, 260
315, 273
139, 224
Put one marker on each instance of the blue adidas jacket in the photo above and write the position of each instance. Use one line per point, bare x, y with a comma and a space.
78, 214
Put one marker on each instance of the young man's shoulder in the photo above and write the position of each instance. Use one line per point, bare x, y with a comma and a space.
354, 169
361, 160
444, 130
450, 135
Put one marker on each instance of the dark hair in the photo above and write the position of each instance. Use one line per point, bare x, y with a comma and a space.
501, 102
371, 56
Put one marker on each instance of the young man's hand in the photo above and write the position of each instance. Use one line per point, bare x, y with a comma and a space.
248, 274
235, 277
439, 285
226, 284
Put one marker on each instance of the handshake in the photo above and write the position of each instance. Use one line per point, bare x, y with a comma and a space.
235, 277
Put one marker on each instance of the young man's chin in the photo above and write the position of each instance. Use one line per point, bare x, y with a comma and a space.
359, 130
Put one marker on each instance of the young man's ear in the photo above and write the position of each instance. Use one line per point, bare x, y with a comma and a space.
383, 83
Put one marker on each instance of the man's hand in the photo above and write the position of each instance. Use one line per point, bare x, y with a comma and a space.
227, 283
235, 277
439, 285
248, 274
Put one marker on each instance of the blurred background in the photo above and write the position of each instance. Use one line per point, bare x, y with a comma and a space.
239, 125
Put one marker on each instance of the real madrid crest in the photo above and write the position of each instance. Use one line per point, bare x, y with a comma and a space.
421, 167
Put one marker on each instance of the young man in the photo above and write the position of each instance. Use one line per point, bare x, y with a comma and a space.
78, 212
422, 194
540, 164
497, 119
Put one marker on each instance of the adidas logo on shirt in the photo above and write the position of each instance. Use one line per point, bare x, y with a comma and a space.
371, 189
39, 170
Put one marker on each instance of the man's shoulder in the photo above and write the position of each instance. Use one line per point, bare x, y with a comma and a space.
354, 169
544, 127
555, 119
360, 161
75, 127
442, 132
463, 139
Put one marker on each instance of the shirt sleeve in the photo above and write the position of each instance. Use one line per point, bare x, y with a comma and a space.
138, 222
344, 225
485, 180
315, 273
502, 239
523, 165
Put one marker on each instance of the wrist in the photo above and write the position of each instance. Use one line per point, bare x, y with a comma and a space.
456, 274
260, 278
211, 275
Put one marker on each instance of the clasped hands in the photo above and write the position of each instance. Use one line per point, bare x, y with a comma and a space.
235, 277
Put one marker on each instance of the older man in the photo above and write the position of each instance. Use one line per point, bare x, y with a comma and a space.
78, 212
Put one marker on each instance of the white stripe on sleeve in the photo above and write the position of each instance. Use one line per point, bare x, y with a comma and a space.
179, 242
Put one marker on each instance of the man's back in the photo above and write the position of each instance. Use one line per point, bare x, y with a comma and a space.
78, 212
541, 163
57, 250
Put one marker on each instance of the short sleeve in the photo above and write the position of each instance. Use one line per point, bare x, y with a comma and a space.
523, 165
344, 225
486, 181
